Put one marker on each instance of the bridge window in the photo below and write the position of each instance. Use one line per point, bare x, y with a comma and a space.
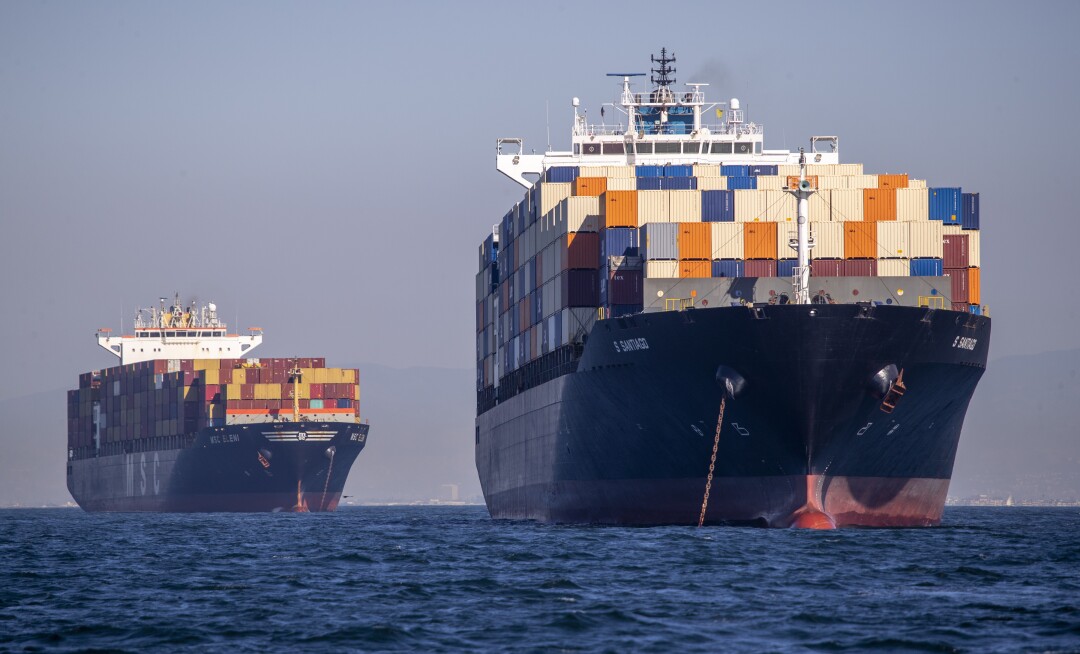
577, 149
744, 148
721, 148
643, 148
692, 147
668, 147
614, 148
590, 148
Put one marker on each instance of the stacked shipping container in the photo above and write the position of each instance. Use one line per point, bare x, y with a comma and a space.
583, 240
177, 397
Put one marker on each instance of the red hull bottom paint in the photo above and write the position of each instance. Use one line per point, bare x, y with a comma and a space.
809, 501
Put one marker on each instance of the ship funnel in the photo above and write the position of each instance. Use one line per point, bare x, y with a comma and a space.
882, 380
732, 382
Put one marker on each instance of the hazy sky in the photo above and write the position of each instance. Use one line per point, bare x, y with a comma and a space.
326, 170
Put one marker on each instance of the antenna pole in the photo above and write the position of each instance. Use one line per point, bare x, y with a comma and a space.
802, 270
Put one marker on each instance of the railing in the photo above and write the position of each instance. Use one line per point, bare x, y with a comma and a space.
932, 301
678, 303
603, 129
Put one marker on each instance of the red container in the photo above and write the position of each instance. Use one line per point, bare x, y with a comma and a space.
961, 306
858, 268
760, 268
329, 404
825, 267
956, 251
316, 390
958, 278
187, 365
582, 250
247, 391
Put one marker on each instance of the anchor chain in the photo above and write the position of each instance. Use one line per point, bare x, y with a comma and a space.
712, 461
326, 486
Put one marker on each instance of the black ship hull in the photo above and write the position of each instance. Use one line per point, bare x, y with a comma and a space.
816, 430
295, 466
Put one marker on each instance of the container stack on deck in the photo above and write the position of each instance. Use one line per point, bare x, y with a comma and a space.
583, 240
156, 403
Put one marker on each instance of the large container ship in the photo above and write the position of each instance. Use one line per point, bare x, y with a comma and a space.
188, 422
676, 325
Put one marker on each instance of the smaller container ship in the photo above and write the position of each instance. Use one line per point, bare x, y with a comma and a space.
187, 422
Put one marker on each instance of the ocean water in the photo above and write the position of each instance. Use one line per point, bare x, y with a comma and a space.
450, 578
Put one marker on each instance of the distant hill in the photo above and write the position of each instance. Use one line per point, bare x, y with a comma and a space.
1020, 437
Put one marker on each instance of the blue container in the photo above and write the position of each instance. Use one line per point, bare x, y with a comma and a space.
975, 309
969, 210
649, 171
666, 183
678, 171
618, 242
660, 240
739, 183
786, 267
727, 268
717, 207
561, 174
735, 171
945, 205
762, 170
927, 268
344, 403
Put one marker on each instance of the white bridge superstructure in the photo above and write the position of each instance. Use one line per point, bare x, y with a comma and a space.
659, 127
177, 332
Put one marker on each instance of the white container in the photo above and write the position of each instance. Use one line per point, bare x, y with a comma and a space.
706, 170
820, 209
828, 182
552, 193
892, 240
770, 182
712, 183
912, 204
622, 184
893, 267
916, 183
684, 206
926, 239
750, 205
727, 240
828, 240
846, 205
781, 206
653, 207
661, 269
974, 248
862, 181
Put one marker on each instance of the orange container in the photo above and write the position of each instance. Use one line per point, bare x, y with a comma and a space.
860, 240
594, 186
582, 251
759, 241
695, 240
695, 268
879, 204
973, 286
793, 181
892, 181
619, 209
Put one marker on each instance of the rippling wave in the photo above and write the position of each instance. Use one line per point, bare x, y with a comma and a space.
412, 578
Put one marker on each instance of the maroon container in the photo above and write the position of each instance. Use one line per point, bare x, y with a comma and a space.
958, 278
858, 268
581, 288
760, 268
961, 306
583, 250
624, 287
329, 404
956, 251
